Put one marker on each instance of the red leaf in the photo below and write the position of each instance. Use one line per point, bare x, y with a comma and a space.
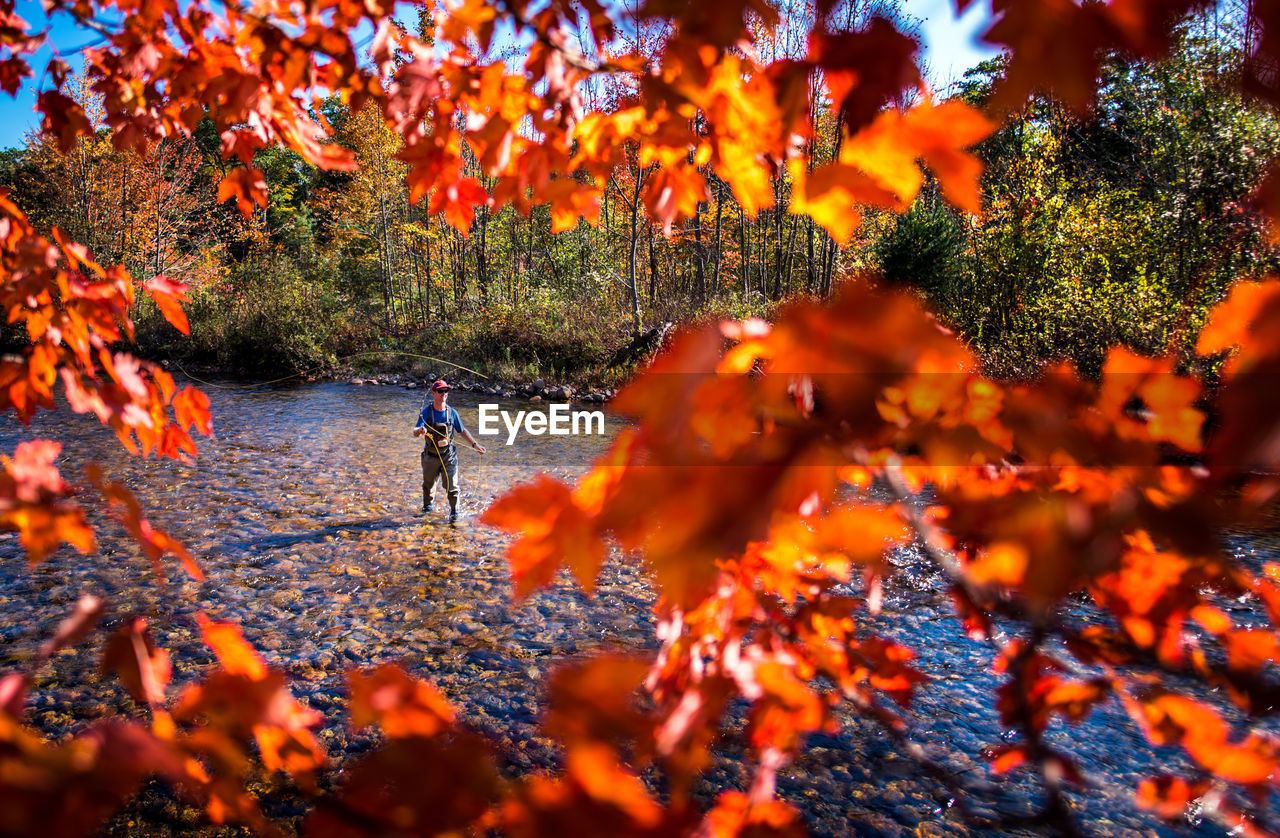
1169, 796
249, 188
154, 543
232, 651
553, 528
400, 705
75, 626
191, 408
142, 667
458, 202
170, 296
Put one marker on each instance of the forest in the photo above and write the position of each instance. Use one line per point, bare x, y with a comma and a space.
947, 505
1120, 226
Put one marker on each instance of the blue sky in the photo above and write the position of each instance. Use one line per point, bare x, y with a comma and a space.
951, 46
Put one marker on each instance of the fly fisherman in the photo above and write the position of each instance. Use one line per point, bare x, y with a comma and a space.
438, 422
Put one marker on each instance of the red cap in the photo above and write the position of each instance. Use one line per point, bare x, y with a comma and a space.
440, 385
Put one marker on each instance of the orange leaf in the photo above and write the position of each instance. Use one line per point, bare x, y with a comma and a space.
142, 667
552, 529
400, 705
248, 186
1169, 796
887, 151
736, 815
191, 408
458, 202
235, 655
170, 296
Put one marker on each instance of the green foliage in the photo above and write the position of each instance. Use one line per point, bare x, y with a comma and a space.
924, 248
1123, 227
266, 316
548, 334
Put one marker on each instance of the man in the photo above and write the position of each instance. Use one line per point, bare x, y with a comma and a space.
438, 422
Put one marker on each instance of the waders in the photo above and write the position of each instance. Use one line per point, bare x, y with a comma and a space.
440, 460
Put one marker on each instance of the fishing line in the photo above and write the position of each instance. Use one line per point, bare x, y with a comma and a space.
325, 366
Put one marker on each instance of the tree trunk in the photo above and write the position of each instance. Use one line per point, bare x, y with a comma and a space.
699, 253
482, 263
653, 267
637, 324
159, 264
715, 271
384, 262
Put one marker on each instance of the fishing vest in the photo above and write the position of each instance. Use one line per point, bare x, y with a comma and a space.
441, 433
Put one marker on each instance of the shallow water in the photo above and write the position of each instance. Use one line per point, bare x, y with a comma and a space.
304, 512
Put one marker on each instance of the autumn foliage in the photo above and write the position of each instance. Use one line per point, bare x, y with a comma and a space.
774, 466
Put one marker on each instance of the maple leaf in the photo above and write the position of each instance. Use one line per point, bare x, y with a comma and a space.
674, 193
155, 543
865, 69
75, 626
458, 202
63, 118
1170, 796
886, 150
830, 195
570, 201
1266, 196
170, 296
1173, 719
595, 702
400, 705
191, 409
553, 528
737, 814
70, 788
34, 502
244, 698
234, 654
1057, 45
249, 188
1248, 436
412, 785
598, 796
142, 666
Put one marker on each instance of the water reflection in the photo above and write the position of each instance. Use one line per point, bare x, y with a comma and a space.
304, 513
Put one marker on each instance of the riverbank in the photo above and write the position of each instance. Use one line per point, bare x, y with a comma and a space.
534, 391
486, 376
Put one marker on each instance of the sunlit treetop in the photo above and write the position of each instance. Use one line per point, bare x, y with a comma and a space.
703, 94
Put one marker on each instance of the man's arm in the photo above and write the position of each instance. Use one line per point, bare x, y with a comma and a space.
457, 426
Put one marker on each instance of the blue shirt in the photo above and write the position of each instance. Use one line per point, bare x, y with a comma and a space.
448, 416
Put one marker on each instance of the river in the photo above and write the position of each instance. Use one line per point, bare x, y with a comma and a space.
304, 511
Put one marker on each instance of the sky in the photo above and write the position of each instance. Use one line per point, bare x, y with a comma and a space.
950, 47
